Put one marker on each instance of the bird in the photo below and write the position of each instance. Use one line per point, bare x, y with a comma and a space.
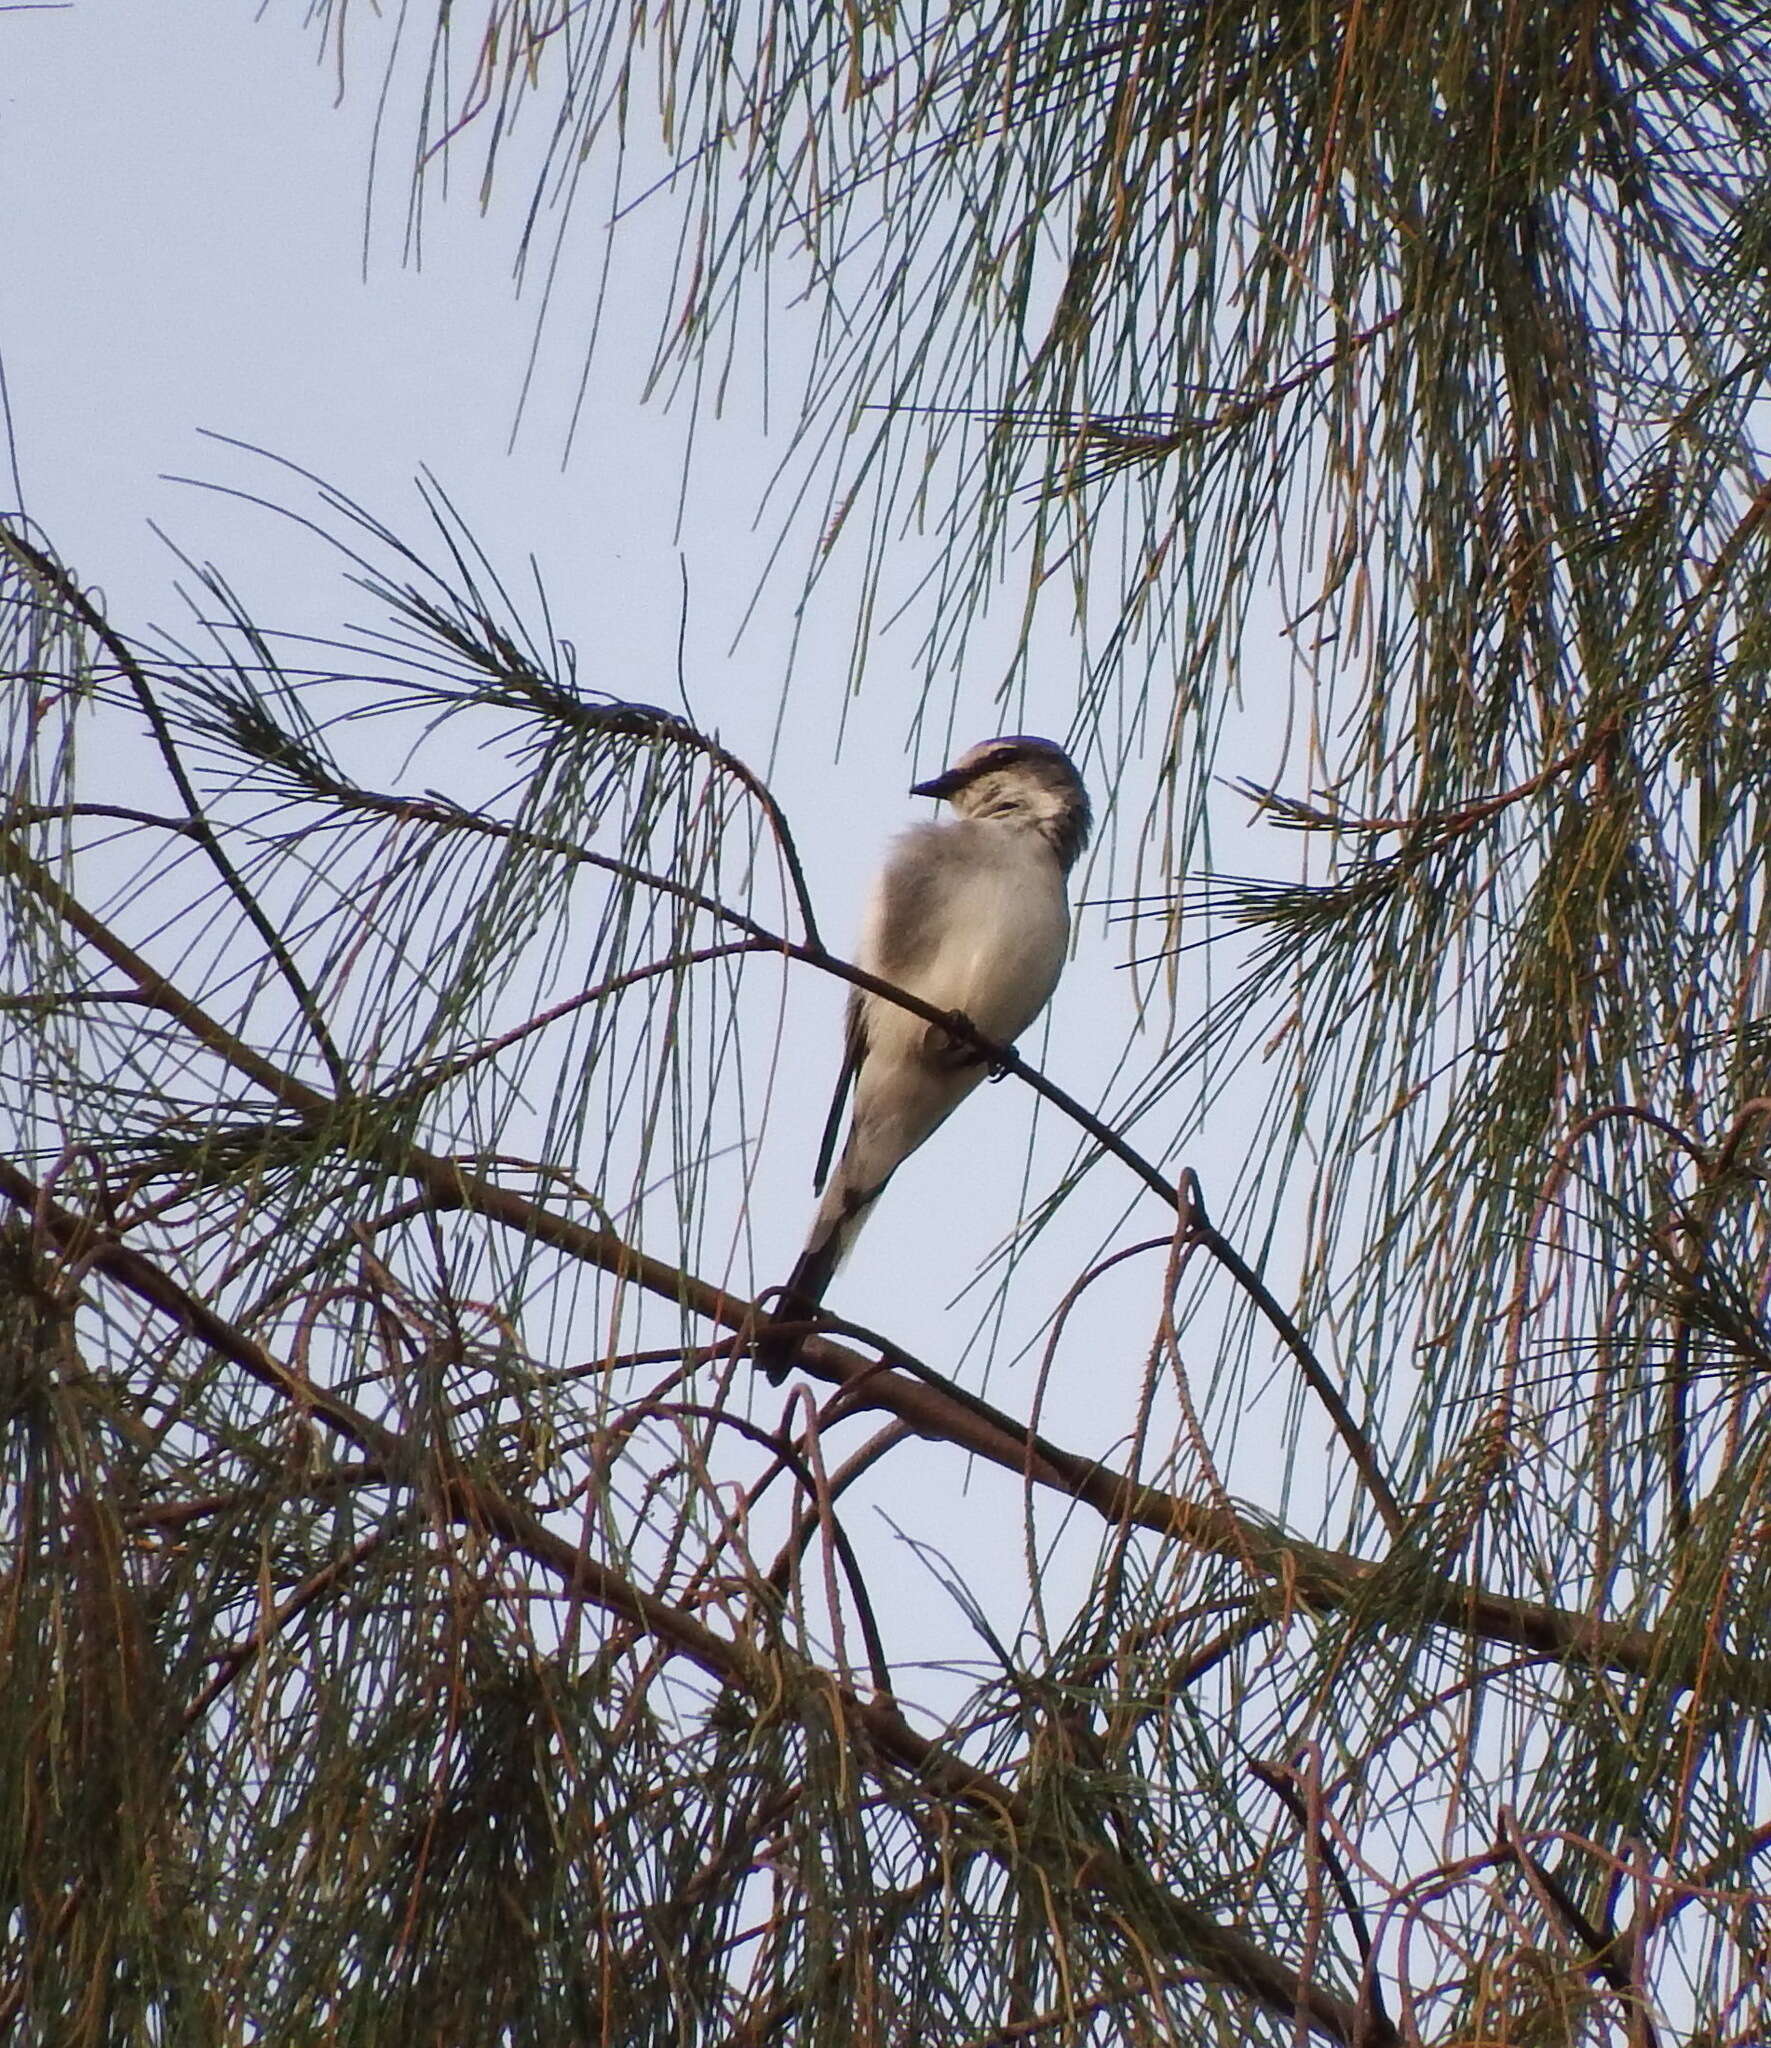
972, 914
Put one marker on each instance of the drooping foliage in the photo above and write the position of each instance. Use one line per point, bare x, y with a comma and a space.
414, 1627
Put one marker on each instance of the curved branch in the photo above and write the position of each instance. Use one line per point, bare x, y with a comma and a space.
1204, 1232
50, 572
1006, 1824
1323, 1578
1316, 1576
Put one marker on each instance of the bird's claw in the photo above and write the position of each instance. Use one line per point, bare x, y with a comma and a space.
964, 1050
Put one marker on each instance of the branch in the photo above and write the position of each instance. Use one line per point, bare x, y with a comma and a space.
1321, 1578
1282, 1782
1602, 1950
1006, 1822
810, 952
1203, 1231
1002, 1059
47, 571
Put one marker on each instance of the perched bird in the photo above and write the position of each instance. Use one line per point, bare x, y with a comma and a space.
970, 914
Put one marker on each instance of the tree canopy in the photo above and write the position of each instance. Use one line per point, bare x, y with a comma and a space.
419, 1622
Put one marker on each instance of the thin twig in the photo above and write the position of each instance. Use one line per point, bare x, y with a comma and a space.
1225, 1953
50, 572
1358, 1445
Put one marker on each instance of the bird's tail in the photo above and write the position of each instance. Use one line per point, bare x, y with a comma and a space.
841, 1213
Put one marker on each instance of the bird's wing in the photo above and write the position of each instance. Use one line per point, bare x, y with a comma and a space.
854, 1051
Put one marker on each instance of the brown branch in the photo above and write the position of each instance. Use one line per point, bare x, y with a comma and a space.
1120, 442
1317, 1577
1283, 1781
287, 1089
1064, 2018
284, 1088
811, 953
1428, 829
95, 1250
233, 1661
1222, 1952
179, 1514
451, 1070
1603, 1957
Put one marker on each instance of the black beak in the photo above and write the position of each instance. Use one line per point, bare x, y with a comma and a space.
940, 785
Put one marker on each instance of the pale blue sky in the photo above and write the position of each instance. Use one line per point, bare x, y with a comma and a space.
190, 255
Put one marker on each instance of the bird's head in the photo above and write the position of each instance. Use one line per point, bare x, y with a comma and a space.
1019, 776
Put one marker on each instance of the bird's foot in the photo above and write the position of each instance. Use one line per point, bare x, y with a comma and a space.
958, 1047
998, 1067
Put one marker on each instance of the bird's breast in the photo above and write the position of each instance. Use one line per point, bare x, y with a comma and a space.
991, 923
